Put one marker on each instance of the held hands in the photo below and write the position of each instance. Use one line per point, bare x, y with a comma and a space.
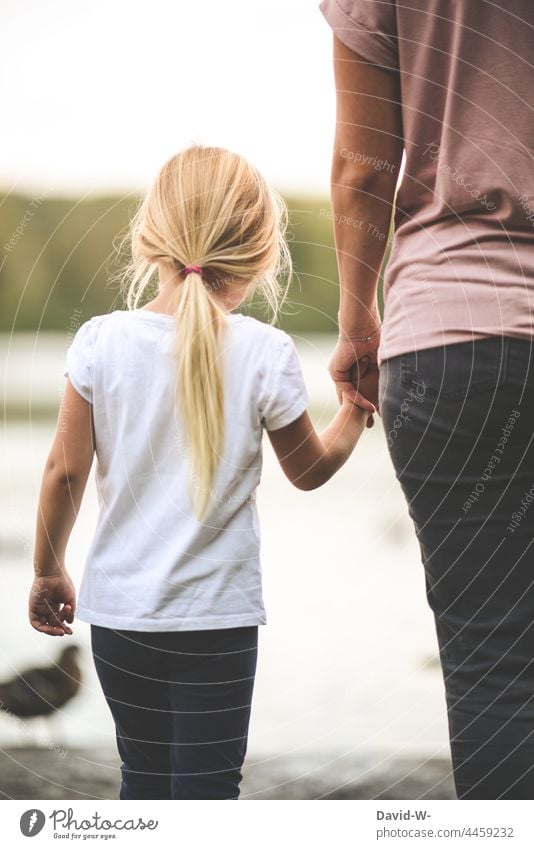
365, 378
52, 604
354, 370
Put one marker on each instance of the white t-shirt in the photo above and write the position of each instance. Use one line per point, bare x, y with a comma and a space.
151, 565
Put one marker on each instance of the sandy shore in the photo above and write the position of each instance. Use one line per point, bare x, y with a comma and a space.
33, 773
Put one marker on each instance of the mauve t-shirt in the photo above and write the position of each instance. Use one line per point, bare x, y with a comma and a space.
462, 260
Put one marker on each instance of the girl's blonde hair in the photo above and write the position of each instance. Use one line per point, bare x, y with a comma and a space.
210, 208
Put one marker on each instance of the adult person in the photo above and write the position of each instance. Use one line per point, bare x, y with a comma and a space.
451, 85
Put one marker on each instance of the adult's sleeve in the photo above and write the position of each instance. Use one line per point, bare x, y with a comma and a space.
367, 27
78, 366
285, 397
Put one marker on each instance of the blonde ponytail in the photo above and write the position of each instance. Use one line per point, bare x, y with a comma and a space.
211, 208
199, 323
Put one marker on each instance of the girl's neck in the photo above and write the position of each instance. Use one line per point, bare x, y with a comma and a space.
165, 300
159, 304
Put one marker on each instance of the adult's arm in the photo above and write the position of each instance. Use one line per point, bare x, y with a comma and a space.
366, 162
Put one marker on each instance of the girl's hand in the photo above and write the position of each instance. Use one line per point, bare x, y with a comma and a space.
346, 399
52, 604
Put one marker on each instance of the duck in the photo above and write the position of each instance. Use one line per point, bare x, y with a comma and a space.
42, 690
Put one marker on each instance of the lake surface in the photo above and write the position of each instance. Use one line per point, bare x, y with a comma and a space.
348, 659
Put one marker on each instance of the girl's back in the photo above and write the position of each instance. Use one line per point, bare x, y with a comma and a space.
169, 569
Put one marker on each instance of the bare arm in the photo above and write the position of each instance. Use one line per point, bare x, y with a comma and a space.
308, 459
52, 597
366, 162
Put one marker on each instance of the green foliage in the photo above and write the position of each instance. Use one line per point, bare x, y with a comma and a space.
57, 259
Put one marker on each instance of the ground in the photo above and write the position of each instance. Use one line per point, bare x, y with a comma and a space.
32, 773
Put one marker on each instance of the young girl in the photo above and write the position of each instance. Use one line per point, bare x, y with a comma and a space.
174, 397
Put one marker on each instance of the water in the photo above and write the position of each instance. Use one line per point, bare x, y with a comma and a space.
348, 659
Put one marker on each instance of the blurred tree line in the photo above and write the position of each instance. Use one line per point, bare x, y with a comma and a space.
58, 257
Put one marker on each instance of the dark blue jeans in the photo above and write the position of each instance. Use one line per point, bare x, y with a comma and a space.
459, 421
181, 705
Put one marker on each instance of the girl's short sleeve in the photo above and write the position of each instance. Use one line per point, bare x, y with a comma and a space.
285, 397
78, 366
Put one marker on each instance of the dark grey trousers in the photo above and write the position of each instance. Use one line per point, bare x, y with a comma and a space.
459, 421
181, 704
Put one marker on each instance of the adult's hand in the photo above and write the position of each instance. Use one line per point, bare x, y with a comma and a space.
354, 370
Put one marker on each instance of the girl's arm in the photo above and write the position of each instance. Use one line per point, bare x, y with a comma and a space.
52, 597
309, 459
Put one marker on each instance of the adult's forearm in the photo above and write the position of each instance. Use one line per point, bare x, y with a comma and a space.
366, 162
59, 503
362, 209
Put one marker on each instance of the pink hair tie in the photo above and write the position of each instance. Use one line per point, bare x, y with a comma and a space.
189, 268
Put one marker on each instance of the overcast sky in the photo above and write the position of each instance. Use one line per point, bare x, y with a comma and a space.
96, 95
